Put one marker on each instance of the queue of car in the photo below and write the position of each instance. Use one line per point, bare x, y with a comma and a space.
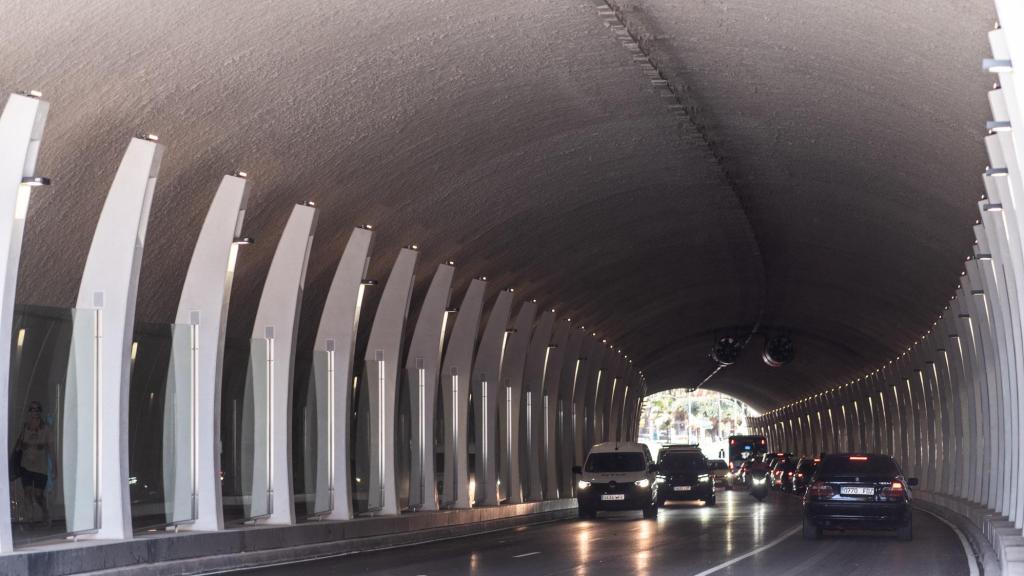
838, 491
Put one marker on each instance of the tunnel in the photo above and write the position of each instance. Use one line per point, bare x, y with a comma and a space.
325, 286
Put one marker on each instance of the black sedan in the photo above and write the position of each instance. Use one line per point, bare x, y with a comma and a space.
862, 491
685, 475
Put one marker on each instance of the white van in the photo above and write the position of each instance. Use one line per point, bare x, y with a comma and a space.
617, 476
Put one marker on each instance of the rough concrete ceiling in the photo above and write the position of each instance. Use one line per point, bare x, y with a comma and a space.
826, 171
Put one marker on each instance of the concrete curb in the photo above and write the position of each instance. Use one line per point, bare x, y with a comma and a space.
190, 553
968, 518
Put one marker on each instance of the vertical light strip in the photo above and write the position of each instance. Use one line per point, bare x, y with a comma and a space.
270, 424
381, 403
455, 435
194, 418
421, 374
331, 426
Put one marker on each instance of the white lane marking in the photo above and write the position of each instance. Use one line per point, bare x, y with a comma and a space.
972, 560
760, 549
525, 555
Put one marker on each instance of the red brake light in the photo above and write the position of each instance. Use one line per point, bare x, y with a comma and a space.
819, 490
800, 475
790, 473
859, 458
817, 460
732, 441
763, 442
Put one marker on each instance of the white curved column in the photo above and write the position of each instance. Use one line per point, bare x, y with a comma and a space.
969, 344
21, 132
997, 345
108, 291
203, 307
486, 392
456, 372
277, 321
510, 403
975, 315
585, 395
383, 353
422, 368
556, 352
1005, 243
568, 454
539, 408
334, 355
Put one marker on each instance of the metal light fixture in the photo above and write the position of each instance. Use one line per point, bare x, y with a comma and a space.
241, 174
991, 172
309, 203
368, 282
35, 181
994, 126
996, 65
244, 241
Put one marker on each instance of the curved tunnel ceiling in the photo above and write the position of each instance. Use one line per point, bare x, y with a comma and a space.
817, 168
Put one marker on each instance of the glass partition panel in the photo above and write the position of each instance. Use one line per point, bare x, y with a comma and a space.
317, 434
235, 376
81, 496
179, 427
255, 440
147, 401
40, 347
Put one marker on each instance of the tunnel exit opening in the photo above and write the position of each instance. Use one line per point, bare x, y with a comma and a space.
703, 417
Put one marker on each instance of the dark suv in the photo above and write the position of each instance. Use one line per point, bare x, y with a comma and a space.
685, 475
866, 491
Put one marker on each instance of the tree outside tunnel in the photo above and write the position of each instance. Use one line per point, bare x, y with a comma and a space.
683, 416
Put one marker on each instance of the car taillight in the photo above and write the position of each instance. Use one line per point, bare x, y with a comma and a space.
730, 466
895, 491
858, 458
820, 490
791, 474
800, 475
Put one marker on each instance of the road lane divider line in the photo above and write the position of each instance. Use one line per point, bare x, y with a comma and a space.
972, 559
757, 550
525, 555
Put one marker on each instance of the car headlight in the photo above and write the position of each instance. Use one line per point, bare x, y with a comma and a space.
659, 479
758, 480
583, 484
702, 478
643, 483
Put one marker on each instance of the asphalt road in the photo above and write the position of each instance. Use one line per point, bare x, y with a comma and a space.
738, 537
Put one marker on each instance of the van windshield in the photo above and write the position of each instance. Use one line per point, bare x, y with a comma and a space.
615, 462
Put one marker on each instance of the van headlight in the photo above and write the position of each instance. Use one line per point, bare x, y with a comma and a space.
702, 478
643, 483
758, 480
583, 484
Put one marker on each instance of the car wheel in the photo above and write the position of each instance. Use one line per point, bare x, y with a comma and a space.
811, 531
710, 501
905, 533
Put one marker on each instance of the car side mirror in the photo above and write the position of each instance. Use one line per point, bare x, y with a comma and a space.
912, 481
577, 470
652, 467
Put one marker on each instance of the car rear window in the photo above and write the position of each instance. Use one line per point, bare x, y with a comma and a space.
857, 466
676, 462
615, 462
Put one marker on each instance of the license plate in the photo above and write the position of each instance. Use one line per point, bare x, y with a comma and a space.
856, 491
682, 488
613, 496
